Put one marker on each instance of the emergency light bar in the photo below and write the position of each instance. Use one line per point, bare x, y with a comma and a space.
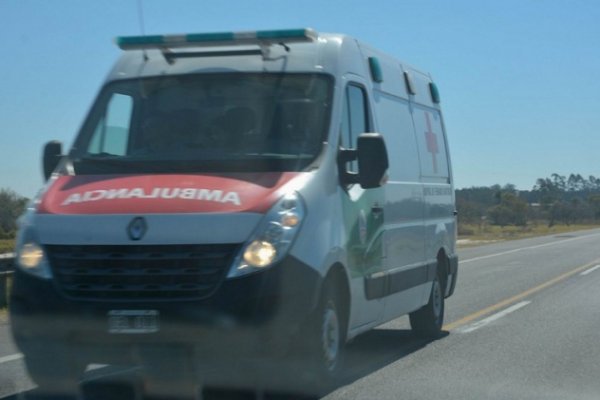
216, 39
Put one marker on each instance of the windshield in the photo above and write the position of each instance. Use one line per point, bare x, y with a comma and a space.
206, 122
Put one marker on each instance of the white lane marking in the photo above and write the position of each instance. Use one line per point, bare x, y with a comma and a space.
12, 357
526, 248
474, 326
589, 271
92, 367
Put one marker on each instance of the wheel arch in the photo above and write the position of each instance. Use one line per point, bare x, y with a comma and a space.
338, 277
443, 268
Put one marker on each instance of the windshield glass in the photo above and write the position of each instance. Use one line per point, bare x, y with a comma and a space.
206, 122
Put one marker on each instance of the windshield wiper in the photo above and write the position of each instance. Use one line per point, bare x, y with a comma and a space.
278, 156
104, 162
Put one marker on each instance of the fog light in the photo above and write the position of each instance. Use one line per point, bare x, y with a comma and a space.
31, 255
260, 253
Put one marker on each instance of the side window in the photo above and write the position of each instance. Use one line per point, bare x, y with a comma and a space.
112, 132
355, 119
431, 142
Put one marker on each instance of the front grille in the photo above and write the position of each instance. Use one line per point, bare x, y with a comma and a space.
141, 273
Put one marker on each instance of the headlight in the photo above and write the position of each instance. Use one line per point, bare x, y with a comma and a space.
31, 257
259, 253
273, 237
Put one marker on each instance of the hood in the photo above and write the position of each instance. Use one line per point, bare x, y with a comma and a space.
164, 194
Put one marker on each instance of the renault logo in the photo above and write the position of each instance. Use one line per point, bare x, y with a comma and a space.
137, 228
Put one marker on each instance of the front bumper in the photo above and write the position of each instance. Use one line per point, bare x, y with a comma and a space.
256, 315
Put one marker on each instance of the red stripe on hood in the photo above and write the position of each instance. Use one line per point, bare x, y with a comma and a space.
160, 194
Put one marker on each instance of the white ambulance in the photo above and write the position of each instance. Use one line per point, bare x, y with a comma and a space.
234, 195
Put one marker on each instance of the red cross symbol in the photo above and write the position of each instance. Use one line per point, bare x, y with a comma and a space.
432, 144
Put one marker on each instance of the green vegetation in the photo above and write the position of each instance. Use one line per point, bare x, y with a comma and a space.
555, 205
7, 245
480, 234
3, 302
11, 206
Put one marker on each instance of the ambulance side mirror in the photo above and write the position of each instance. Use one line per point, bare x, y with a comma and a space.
51, 157
371, 154
372, 160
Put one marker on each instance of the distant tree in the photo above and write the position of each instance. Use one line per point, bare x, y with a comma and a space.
575, 183
483, 196
594, 202
594, 183
548, 191
559, 182
567, 200
469, 212
560, 212
554, 199
11, 207
509, 188
511, 211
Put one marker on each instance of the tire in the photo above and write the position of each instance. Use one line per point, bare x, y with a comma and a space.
327, 339
427, 321
54, 377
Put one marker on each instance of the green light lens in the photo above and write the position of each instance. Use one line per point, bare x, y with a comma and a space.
375, 67
435, 93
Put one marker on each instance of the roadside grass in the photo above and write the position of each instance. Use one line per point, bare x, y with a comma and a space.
7, 245
4, 303
473, 234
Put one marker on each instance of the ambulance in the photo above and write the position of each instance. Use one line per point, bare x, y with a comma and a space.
233, 196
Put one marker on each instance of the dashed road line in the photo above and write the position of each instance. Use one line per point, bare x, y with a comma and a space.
12, 357
589, 271
476, 325
514, 299
468, 260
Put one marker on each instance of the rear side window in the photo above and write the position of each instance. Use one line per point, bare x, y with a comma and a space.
431, 142
396, 125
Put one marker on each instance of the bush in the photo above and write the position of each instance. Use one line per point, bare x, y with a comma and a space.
7, 235
7, 246
465, 231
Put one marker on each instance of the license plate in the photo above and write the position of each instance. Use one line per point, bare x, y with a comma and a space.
133, 321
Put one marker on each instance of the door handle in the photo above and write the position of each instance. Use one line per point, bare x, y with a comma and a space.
377, 211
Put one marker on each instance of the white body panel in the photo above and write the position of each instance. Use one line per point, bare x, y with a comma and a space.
417, 201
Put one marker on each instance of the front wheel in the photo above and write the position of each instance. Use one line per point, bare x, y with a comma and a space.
427, 321
326, 340
330, 340
54, 376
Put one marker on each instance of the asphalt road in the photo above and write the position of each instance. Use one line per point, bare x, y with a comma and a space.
524, 323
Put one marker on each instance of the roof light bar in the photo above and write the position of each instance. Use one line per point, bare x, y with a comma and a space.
216, 39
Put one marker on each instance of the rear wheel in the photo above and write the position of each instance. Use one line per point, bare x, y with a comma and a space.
427, 321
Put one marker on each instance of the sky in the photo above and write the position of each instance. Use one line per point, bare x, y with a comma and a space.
519, 79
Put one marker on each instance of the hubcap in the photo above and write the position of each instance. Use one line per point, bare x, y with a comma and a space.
330, 337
